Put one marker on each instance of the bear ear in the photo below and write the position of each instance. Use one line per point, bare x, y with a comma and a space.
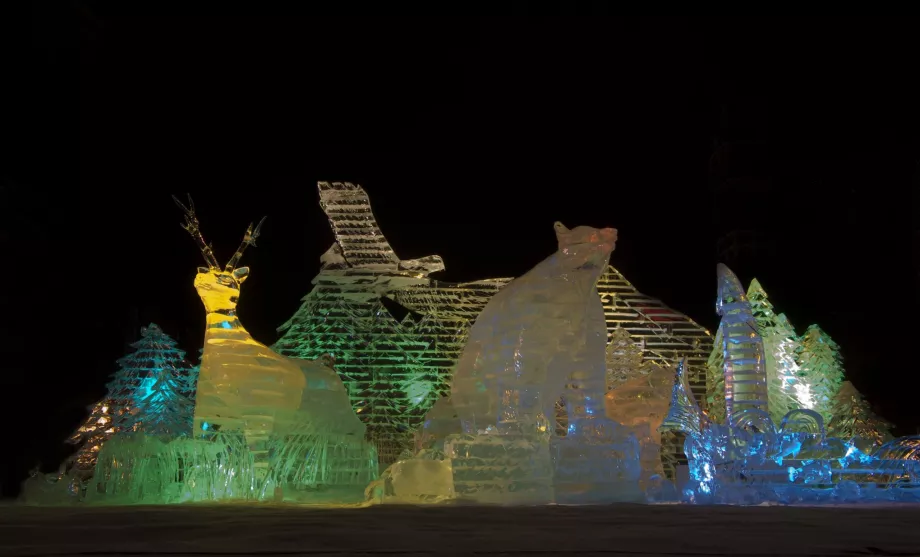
560, 228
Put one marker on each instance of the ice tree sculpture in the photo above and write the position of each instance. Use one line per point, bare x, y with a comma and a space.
750, 459
761, 307
98, 428
540, 338
821, 366
293, 415
148, 393
742, 349
852, 416
155, 378
782, 343
624, 358
784, 388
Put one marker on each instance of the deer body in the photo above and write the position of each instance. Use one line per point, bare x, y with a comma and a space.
242, 386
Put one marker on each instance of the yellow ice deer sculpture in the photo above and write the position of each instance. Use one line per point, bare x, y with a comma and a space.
243, 386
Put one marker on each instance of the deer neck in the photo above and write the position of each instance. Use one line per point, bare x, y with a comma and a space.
224, 326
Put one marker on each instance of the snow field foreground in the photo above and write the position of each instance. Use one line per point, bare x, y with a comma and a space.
239, 529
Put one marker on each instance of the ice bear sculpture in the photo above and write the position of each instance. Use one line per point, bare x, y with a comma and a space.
540, 337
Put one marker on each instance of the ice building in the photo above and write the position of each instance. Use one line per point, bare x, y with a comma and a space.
397, 333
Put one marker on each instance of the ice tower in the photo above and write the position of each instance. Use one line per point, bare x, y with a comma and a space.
745, 376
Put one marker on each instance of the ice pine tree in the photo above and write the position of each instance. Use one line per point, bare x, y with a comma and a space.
98, 428
852, 416
761, 307
821, 368
154, 383
149, 393
624, 358
784, 389
783, 345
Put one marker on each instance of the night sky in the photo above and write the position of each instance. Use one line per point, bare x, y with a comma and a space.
471, 136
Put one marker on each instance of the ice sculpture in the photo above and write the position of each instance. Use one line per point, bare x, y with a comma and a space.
638, 393
784, 385
539, 334
150, 392
539, 339
852, 417
742, 347
640, 404
750, 459
293, 415
398, 333
821, 367
801, 372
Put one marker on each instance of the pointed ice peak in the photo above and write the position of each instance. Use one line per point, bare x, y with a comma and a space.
730, 291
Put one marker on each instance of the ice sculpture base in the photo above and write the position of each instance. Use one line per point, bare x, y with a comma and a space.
321, 469
596, 463
501, 469
426, 478
52, 490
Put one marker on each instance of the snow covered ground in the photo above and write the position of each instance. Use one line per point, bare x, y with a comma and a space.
461, 530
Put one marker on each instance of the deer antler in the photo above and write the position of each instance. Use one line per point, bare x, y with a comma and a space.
248, 240
191, 226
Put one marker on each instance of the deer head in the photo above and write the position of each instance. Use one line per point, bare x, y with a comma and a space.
218, 288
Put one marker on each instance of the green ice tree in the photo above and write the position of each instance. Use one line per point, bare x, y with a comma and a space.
781, 342
761, 307
785, 390
852, 416
821, 368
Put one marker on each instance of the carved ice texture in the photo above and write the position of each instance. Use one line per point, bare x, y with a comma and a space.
638, 396
538, 342
397, 333
853, 418
750, 459
785, 388
742, 350
294, 417
149, 393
